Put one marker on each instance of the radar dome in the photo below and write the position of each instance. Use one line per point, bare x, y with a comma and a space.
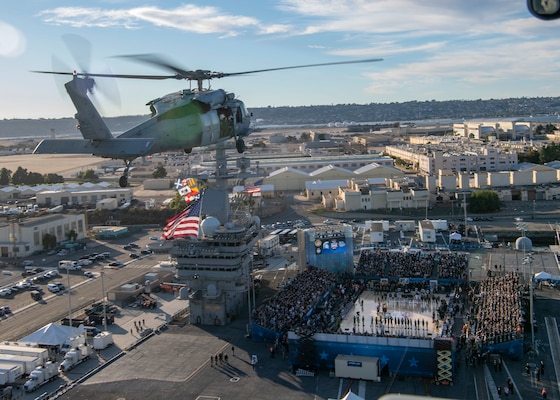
523, 243
209, 226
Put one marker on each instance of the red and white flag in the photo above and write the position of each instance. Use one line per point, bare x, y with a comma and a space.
184, 224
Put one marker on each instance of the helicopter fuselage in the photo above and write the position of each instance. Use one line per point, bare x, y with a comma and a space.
188, 119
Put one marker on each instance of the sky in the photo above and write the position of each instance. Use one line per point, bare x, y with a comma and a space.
431, 50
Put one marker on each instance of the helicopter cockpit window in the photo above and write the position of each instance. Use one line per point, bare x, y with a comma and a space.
544, 9
238, 115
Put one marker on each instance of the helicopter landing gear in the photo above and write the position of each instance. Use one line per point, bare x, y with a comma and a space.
123, 180
240, 145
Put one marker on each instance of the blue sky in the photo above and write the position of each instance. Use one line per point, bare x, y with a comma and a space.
432, 50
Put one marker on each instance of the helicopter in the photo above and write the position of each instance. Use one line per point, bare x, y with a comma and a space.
183, 120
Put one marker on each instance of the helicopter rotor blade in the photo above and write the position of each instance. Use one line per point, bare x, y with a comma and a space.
198, 75
80, 49
160, 61
125, 76
223, 75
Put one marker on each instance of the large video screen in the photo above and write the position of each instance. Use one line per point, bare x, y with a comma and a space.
330, 246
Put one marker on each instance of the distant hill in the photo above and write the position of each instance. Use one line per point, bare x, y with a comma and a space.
373, 112
62, 127
409, 111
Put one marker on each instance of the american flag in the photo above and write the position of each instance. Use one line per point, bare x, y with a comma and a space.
184, 224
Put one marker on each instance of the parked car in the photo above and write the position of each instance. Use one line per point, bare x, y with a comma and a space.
146, 251
5, 292
133, 245
52, 273
53, 288
88, 274
134, 255
60, 285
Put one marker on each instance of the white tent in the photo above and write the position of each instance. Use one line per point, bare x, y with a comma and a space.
53, 335
542, 276
455, 236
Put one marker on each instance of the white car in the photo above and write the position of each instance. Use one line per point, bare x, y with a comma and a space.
88, 274
53, 288
52, 273
5, 292
84, 262
23, 285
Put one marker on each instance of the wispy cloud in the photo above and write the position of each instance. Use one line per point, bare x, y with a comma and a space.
12, 41
188, 18
491, 64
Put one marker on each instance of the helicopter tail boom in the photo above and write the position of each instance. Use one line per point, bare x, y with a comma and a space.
122, 149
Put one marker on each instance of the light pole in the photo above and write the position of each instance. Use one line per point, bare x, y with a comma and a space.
103, 301
531, 302
69, 298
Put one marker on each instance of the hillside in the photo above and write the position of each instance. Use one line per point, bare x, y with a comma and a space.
374, 112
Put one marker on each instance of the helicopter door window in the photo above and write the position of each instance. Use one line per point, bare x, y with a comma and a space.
238, 115
226, 122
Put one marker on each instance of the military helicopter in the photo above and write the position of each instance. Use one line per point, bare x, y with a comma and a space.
184, 120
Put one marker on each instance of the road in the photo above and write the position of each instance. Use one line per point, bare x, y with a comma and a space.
29, 315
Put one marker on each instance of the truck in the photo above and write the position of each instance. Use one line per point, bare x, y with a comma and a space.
40, 376
9, 373
77, 320
102, 340
23, 349
28, 363
69, 265
74, 357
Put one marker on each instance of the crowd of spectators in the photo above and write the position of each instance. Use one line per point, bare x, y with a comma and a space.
291, 306
495, 313
452, 265
380, 263
317, 300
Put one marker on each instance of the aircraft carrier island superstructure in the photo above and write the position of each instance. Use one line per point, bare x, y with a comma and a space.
217, 267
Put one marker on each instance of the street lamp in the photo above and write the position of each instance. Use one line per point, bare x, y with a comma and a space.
69, 298
103, 301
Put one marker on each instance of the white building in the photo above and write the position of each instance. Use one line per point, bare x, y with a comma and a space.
23, 237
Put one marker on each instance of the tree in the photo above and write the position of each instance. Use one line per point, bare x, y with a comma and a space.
484, 201
178, 203
5, 176
72, 235
49, 241
550, 152
53, 178
34, 178
20, 176
531, 156
159, 172
88, 175
305, 137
